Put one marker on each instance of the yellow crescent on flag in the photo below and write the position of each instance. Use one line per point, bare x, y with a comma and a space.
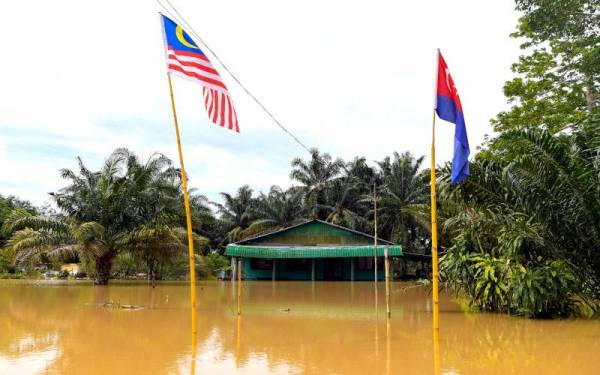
181, 38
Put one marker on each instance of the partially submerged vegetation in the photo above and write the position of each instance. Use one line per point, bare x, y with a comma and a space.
525, 229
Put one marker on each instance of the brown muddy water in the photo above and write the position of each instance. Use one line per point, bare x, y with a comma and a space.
285, 328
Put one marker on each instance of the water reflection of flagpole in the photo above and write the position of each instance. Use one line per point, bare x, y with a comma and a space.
436, 352
193, 361
388, 352
238, 337
376, 331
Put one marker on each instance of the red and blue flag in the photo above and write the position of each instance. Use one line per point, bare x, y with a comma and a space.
449, 108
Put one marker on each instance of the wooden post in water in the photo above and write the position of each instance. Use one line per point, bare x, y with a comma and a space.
239, 286
387, 282
274, 272
312, 269
233, 268
351, 269
375, 233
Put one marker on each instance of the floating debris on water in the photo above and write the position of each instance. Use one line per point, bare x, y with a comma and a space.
122, 306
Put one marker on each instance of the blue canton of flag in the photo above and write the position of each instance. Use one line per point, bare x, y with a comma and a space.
185, 59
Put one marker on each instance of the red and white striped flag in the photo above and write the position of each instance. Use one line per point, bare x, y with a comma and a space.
185, 59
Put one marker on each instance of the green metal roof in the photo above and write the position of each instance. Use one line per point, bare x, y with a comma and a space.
279, 252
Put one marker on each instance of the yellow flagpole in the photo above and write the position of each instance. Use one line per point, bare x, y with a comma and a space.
434, 242
188, 216
434, 239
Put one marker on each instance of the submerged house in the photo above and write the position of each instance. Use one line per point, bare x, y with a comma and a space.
314, 250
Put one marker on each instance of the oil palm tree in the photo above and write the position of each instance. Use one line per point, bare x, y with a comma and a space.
158, 244
343, 203
402, 198
101, 210
237, 212
205, 223
314, 176
277, 210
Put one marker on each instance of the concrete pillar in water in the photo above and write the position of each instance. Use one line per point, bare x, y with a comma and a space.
351, 269
312, 270
274, 273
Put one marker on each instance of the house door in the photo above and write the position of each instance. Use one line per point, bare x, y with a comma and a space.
333, 268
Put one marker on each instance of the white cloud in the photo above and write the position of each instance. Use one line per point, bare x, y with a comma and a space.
351, 79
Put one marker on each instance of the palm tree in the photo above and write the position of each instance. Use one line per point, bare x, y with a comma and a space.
277, 210
363, 173
101, 209
402, 198
204, 221
343, 203
158, 244
340, 205
236, 212
314, 176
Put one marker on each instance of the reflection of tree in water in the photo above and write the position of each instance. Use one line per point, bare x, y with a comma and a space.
491, 343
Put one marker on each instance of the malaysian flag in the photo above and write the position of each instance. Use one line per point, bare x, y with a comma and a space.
185, 59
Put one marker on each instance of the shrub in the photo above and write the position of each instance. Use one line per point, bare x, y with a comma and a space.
213, 263
539, 289
6, 262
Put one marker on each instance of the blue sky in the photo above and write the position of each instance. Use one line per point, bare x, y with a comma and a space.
83, 78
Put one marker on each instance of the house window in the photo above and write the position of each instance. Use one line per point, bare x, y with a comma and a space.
297, 264
261, 264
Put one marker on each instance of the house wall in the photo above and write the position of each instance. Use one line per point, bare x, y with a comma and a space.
313, 234
283, 271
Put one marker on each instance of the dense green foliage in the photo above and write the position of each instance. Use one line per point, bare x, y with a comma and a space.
525, 227
529, 214
557, 81
7, 205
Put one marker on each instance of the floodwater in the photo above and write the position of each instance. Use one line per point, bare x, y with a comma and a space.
285, 328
